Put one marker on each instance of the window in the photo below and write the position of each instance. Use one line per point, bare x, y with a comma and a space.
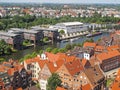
0, 87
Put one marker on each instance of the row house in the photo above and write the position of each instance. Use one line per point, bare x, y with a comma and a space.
67, 72
74, 76
46, 72
34, 65
53, 63
92, 76
109, 60
15, 75
95, 77
5, 82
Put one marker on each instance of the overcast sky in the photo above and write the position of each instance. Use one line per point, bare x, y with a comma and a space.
65, 1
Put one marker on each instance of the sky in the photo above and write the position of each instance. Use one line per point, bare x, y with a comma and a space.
64, 1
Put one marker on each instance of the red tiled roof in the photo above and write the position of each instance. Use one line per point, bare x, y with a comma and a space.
53, 66
99, 48
19, 89
107, 55
60, 88
116, 83
74, 67
11, 71
29, 61
89, 44
113, 47
42, 63
86, 87
59, 56
84, 61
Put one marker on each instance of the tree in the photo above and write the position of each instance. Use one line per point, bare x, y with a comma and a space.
49, 49
55, 50
62, 32
62, 50
41, 51
89, 40
45, 39
53, 82
2, 60
68, 47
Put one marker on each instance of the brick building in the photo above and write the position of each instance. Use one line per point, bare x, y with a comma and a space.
109, 60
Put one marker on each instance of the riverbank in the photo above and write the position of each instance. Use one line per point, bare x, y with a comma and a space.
21, 53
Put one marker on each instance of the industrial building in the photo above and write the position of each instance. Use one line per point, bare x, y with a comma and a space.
70, 27
12, 39
51, 33
32, 35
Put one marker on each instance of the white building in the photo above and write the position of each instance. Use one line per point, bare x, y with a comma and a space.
87, 56
70, 27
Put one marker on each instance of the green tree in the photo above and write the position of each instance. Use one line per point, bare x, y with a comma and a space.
62, 32
49, 49
89, 40
45, 39
68, 47
2, 60
41, 51
53, 82
62, 50
55, 50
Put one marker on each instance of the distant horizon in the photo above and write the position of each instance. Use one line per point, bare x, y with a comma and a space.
64, 1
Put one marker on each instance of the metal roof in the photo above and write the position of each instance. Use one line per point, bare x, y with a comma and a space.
71, 23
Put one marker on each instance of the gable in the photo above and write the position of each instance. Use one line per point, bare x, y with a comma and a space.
62, 70
45, 70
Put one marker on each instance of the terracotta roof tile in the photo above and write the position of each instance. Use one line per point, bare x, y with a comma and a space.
84, 61
60, 88
19, 89
107, 55
74, 67
53, 66
99, 48
11, 71
113, 47
86, 87
89, 44
42, 63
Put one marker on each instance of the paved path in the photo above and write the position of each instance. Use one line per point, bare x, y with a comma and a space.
112, 73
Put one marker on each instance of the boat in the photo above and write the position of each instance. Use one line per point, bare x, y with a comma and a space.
74, 39
94, 34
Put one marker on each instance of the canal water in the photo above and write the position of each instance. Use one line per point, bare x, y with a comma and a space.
21, 53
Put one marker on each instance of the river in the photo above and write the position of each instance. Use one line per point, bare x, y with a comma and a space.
21, 53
